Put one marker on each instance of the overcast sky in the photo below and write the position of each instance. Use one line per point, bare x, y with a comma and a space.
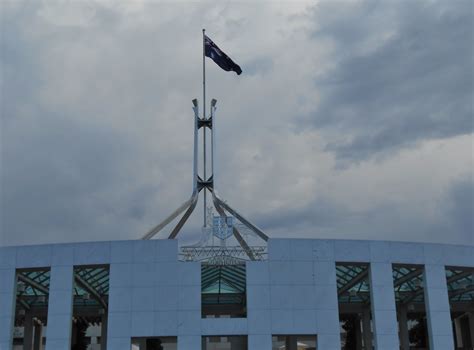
351, 119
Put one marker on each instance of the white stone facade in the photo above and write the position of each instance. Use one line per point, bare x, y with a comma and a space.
154, 294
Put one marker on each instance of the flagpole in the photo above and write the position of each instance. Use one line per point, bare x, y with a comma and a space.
204, 117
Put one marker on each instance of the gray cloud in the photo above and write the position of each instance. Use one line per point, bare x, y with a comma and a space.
402, 73
460, 209
453, 221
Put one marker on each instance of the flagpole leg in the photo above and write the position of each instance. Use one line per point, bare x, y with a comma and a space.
204, 117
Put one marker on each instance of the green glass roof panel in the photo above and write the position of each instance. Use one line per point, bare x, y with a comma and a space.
96, 277
460, 284
223, 279
408, 283
353, 283
33, 287
91, 285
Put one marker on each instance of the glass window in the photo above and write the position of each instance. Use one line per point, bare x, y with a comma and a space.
90, 304
460, 283
223, 291
31, 311
408, 284
353, 291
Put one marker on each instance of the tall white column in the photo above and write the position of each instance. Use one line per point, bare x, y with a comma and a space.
327, 314
258, 306
7, 306
260, 341
120, 301
437, 308
189, 342
384, 312
60, 308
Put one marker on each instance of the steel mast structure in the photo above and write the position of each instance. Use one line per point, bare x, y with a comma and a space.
207, 184
222, 226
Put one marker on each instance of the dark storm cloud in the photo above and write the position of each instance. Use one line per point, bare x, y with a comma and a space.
324, 218
56, 182
403, 73
320, 214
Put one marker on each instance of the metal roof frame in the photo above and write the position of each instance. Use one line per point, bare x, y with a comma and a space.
91, 280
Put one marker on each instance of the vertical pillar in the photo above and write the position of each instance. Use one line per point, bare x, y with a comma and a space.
189, 342
458, 332
384, 313
471, 327
367, 330
403, 328
28, 331
291, 342
358, 333
236, 343
120, 300
466, 341
103, 332
38, 339
438, 313
327, 313
258, 306
7, 306
60, 308
260, 342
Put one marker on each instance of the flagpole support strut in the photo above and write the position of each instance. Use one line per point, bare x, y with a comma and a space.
207, 183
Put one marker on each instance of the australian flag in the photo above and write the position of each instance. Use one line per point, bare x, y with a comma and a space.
212, 51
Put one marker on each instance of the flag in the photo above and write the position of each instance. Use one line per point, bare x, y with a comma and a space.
212, 51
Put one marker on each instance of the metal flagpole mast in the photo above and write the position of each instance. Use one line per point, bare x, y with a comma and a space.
204, 118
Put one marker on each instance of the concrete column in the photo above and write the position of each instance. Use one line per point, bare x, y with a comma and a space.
28, 332
7, 306
60, 308
119, 324
238, 343
291, 343
458, 333
471, 327
384, 312
403, 328
367, 330
466, 341
358, 333
189, 342
260, 342
440, 331
38, 339
327, 313
103, 333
